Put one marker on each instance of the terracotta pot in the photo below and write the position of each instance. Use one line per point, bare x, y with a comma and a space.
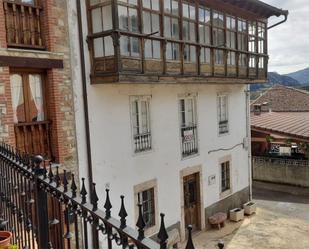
5, 238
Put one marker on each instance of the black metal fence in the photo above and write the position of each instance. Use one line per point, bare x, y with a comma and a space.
43, 209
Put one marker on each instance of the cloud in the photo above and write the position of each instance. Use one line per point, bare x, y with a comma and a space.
288, 44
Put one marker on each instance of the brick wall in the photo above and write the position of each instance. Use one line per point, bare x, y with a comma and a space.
60, 103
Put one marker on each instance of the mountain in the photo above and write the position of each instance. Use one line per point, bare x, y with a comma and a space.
275, 79
302, 76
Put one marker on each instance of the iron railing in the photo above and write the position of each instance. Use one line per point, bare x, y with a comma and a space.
142, 142
189, 140
281, 161
44, 209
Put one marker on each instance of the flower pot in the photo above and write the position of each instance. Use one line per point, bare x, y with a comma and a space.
250, 208
237, 214
5, 238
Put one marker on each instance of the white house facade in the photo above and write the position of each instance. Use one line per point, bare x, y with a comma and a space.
176, 143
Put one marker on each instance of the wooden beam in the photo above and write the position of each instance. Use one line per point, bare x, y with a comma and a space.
28, 62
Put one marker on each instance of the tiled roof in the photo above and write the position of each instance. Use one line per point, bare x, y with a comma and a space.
283, 123
284, 99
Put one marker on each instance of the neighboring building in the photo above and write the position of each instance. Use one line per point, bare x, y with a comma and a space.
280, 122
164, 86
36, 94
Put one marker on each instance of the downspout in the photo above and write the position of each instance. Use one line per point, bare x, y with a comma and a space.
248, 135
285, 13
85, 97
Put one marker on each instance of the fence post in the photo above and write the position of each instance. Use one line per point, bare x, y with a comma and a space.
41, 206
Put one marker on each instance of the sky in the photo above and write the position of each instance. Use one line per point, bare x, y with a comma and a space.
288, 43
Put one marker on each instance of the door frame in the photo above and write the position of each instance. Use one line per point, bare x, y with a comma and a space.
201, 213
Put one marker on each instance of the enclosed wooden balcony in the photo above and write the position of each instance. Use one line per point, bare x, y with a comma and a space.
171, 41
23, 24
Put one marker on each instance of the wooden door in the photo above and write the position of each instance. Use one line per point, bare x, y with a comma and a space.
192, 201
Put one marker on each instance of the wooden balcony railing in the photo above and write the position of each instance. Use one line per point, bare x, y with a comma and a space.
33, 138
23, 25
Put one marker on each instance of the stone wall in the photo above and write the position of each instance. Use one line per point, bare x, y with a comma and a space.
292, 172
60, 105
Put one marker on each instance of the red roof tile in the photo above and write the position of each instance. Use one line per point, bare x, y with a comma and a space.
284, 123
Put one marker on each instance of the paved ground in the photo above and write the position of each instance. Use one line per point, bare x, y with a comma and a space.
281, 222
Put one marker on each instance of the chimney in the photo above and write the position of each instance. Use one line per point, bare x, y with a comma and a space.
257, 109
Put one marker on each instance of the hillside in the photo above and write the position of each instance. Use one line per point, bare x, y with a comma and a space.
302, 76
275, 79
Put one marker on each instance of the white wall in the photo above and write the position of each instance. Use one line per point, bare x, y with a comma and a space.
116, 165
114, 162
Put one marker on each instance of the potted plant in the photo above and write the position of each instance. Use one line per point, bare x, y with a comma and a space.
237, 214
250, 208
5, 238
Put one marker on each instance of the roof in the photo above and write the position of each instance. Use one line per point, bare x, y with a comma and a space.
258, 7
284, 99
283, 123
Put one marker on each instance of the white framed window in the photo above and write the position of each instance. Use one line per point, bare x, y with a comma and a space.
223, 121
140, 117
188, 125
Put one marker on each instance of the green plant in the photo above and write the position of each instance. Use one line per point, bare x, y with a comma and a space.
270, 139
13, 247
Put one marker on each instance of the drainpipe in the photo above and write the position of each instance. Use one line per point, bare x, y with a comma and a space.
285, 13
248, 134
85, 97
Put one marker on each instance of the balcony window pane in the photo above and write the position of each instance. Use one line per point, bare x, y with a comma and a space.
123, 17
156, 49
146, 22
133, 20
97, 25
135, 46
108, 46
98, 47
155, 5
205, 55
155, 23
231, 58
219, 57
107, 17
124, 46
172, 51
261, 63
147, 4
175, 7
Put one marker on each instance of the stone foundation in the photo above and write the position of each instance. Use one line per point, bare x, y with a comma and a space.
225, 205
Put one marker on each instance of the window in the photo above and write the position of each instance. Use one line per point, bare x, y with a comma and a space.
261, 38
218, 29
101, 17
225, 176
223, 114
231, 58
261, 63
242, 35
172, 51
103, 46
242, 61
27, 97
188, 125
128, 17
252, 37
129, 46
219, 57
146, 198
189, 33
140, 112
231, 32
171, 19
204, 25
151, 26
190, 53
205, 55
252, 62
